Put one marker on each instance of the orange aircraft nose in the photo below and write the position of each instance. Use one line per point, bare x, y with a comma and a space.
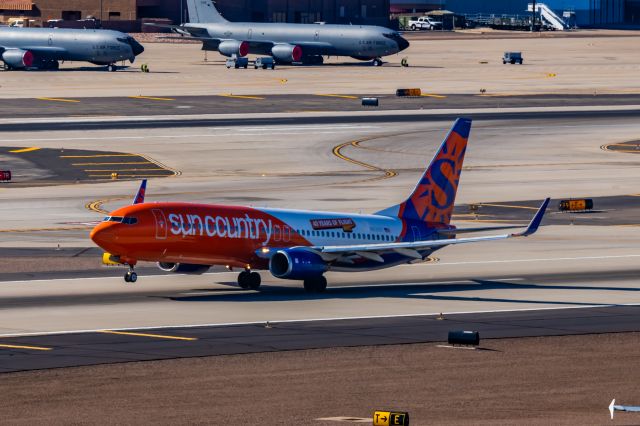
101, 235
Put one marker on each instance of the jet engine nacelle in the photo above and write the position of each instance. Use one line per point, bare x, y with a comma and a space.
233, 47
287, 53
18, 58
296, 264
183, 268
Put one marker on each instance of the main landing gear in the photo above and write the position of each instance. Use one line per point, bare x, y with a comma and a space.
112, 68
249, 280
130, 276
315, 284
377, 62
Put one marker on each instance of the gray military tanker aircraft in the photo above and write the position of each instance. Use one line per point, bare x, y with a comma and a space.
44, 48
287, 43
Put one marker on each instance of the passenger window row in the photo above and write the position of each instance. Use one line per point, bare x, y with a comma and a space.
345, 235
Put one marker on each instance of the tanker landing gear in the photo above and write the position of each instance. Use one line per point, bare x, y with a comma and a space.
130, 276
315, 284
249, 280
112, 68
313, 60
377, 62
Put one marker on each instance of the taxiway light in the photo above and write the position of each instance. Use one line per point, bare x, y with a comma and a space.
114, 176
390, 418
467, 338
372, 102
5, 175
581, 204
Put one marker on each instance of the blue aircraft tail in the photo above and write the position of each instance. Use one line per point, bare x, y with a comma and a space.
433, 197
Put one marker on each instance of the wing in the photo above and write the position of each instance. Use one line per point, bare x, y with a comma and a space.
413, 249
211, 43
455, 231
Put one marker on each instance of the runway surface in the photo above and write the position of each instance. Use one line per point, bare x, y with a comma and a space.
314, 118
109, 346
288, 103
352, 166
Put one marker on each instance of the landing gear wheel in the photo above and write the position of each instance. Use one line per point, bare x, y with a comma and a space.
111, 68
130, 277
254, 280
377, 62
243, 279
315, 285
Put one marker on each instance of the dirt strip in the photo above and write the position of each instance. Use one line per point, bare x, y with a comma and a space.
535, 381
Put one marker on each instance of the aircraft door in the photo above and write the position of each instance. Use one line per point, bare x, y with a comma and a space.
161, 224
317, 36
249, 33
416, 233
50, 39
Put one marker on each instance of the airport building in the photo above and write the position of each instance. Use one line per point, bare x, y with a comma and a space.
587, 13
372, 12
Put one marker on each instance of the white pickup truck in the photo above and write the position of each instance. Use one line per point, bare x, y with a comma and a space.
424, 23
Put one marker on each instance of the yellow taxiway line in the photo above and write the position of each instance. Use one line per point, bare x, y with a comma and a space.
99, 156
136, 175
508, 206
32, 348
21, 150
337, 96
151, 98
123, 170
156, 336
242, 97
388, 173
113, 164
66, 228
429, 95
59, 100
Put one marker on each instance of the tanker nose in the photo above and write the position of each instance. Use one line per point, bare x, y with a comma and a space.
403, 43
136, 47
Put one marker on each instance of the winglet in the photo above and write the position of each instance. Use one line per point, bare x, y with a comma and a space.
611, 407
139, 198
535, 222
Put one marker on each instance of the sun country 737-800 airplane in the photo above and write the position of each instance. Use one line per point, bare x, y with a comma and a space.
296, 244
287, 43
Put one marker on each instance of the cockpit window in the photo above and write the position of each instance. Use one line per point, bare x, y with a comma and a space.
120, 219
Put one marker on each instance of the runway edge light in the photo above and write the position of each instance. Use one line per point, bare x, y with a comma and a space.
390, 418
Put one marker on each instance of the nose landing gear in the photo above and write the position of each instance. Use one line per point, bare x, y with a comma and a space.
131, 276
249, 280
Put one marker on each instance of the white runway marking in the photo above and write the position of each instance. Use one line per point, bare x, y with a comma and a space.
273, 322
